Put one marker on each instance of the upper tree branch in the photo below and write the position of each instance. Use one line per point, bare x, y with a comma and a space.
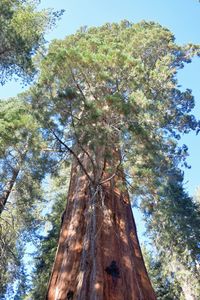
77, 85
74, 154
82, 148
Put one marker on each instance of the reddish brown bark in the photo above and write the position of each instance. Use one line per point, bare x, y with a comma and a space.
98, 256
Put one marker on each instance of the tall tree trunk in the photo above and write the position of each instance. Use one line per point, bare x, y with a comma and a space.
98, 255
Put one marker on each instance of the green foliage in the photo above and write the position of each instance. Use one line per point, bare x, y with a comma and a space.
44, 257
22, 33
118, 83
174, 226
23, 167
166, 287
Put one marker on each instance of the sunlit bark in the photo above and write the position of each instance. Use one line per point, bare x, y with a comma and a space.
98, 255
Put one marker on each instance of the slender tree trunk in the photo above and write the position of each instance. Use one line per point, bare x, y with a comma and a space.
8, 189
11, 183
98, 255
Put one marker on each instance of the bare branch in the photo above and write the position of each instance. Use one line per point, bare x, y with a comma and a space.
82, 148
74, 154
113, 175
77, 85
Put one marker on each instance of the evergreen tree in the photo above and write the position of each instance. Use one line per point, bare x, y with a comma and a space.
22, 33
109, 97
24, 164
45, 253
166, 287
173, 223
19, 183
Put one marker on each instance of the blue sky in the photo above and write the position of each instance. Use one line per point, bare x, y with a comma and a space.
182, 17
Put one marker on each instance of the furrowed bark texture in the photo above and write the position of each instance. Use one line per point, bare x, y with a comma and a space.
98, 255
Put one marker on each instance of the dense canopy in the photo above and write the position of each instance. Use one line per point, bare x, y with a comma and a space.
22, 33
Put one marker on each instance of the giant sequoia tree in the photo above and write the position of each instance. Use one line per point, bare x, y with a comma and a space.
109, 97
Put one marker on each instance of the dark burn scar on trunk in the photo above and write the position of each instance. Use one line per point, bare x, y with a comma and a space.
70, 295
63, 217
113, 270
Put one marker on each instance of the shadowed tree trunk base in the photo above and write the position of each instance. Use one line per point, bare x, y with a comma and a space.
98, 255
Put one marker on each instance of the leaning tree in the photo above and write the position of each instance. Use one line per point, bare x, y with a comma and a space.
108, 96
